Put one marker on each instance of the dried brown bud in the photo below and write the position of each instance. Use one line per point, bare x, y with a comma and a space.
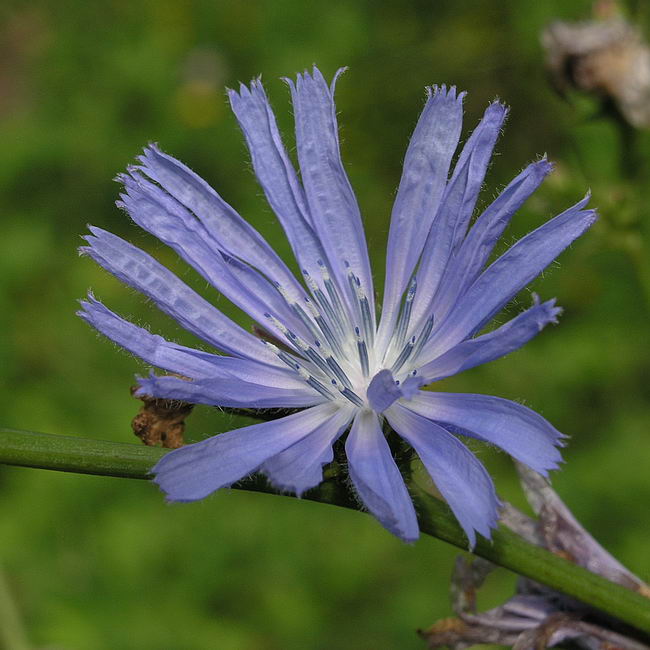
608, 58
160, 421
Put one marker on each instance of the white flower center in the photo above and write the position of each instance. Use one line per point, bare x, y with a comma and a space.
341, 358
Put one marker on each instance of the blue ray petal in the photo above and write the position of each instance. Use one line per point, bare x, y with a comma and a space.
516, 429
332, 204
192, 472
189, 362
455, 210
300, 467
483, 349
377, 479
504, 278
142, 272
276, 174
459, 476
161, 215
425, 172
477, 247
228, 392
149, 347
234, 236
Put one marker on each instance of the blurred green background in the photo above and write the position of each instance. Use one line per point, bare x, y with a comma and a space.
99, 563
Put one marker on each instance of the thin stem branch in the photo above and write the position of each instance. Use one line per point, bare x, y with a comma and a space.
638, 255
87, 456
634, 171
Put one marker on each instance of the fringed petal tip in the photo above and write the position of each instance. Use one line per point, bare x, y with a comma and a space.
443, 92
339, 73
152, 147
542, 167
489, 523
90, 249
548, 311
147, 158
484, 528
317, 76
402, 523
551, 467
158, 477
547, 459
133, 173
90, 306
291, 486
496, 110
393, 525
593, 215
169, 499
83, 313
169, 485
581, 218
543, 159
88, 239
99, 233
245, 91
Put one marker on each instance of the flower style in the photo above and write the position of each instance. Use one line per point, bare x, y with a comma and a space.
339, 366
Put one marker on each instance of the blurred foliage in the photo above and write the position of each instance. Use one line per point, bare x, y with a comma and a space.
102, 563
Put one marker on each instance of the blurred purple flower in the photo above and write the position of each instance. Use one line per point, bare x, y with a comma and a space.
338, 365
537, 616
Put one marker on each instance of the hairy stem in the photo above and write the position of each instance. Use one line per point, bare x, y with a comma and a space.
87, 456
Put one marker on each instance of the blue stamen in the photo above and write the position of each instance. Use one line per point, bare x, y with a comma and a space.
363, 353
334, 297
403, 355
314, 383
405, 315
338, 371
423, 336
352, 396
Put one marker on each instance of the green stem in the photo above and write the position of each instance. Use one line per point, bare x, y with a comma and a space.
634, 171
86, 456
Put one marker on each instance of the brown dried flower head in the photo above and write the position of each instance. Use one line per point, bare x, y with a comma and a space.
608, 58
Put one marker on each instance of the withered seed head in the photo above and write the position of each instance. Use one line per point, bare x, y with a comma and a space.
160, 421
607, 58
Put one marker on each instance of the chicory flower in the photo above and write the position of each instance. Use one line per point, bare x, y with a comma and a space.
345, 369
